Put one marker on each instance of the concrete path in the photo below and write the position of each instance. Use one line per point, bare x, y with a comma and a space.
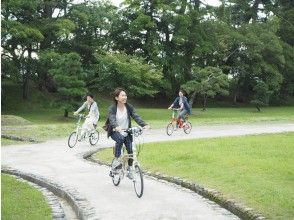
55, 161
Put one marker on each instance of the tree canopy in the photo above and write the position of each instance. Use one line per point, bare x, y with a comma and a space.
152, 48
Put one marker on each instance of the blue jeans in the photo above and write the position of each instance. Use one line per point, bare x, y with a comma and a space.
119, 141
182, 114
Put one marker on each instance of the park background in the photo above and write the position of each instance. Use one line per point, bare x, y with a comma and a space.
234, 60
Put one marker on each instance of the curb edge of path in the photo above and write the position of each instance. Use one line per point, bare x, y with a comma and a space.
233, 206
79, 204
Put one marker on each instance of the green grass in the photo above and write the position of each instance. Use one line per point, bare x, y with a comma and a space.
255, 170
6, 142
47, 121
40, 132
160, 117
50, 124
20, 201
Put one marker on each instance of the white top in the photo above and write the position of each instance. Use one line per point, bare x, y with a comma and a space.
93, 110
122, 119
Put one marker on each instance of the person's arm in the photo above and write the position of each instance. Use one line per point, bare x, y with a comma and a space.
81, 108
137, 117
174, 103
94, 110
112, 117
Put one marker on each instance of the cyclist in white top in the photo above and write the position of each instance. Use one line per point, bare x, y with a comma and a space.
93, 115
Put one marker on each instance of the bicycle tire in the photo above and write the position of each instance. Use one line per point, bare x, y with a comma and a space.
71, 145
138, 183
93, 140
115, 177
187, 128
169, 129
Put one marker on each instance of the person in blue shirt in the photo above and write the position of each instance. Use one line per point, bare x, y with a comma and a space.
182, 104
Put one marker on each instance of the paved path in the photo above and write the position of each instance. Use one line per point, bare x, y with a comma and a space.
161, 200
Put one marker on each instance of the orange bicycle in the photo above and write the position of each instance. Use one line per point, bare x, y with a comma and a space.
175, 123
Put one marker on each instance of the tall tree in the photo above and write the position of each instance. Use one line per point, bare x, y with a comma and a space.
69, 78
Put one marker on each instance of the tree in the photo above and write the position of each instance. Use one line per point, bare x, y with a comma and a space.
69, 78
20, 38
130, 72
261, 96
207, 82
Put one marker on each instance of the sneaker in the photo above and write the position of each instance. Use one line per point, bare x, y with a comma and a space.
116, 164
130, 173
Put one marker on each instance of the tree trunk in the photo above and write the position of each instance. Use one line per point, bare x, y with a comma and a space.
204, 102
25, 86
65, 113
191, 102
27, 72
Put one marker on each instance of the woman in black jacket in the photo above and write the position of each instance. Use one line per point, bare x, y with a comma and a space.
120, 114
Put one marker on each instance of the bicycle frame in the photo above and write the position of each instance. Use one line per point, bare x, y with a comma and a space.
175, 118
79, 127
125, 157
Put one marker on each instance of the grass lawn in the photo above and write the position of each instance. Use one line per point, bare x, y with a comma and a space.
49, 124
5, 142
21, 201
255, 170
160, 117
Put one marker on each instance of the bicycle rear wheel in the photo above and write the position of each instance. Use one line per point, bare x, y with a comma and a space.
187, 127
169, 129
94, 137
138, 181
72, 139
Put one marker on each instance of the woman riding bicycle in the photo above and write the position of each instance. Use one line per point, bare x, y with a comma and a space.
120, 114
182, 104
93, 116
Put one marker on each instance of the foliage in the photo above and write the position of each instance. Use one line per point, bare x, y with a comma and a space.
130, 72
208, 82
249, 41
69, 78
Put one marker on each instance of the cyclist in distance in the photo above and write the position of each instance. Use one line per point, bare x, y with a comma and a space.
93, 115
182, 104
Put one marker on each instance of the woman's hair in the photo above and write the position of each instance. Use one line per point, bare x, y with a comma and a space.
182, 91
116, 93
88, 94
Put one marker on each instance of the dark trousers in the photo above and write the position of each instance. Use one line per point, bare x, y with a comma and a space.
119, 141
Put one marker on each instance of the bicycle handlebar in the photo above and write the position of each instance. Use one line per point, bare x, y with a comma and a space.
135, 130
80, 116
175, 109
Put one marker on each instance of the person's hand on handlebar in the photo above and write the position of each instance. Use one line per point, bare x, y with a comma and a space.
146, 127
118, 129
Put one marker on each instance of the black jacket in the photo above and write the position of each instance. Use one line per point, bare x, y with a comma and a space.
131, 113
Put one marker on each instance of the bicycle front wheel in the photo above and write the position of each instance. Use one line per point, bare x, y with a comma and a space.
115, 175
169, 129
94, 138
138, 181
72, 139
